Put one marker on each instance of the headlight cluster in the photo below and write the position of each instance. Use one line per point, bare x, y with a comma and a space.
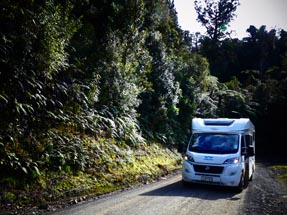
232, 161
188, 158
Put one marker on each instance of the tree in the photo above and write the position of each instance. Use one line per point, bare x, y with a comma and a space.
215, 15
35, 82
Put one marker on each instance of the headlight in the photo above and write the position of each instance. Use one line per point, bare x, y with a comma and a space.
188, 158
232, 161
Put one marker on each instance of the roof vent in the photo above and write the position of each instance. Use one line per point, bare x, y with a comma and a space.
218, 122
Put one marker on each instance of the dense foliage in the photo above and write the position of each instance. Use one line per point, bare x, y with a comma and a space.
121, 69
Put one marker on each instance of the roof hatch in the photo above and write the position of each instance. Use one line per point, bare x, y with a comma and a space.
218, 122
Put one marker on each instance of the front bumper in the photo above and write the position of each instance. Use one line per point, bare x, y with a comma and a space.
230, 175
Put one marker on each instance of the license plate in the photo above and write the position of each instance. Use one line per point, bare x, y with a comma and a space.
206, 178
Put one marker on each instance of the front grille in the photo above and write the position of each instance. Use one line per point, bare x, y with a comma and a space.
208, 169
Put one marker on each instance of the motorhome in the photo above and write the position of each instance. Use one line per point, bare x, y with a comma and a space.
220, 151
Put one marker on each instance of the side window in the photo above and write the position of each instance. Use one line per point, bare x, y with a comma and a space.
243, 144
246, 142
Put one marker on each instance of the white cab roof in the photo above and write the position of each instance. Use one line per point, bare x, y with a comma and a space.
222, 125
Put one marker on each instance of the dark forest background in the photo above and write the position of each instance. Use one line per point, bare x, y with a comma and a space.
125, 70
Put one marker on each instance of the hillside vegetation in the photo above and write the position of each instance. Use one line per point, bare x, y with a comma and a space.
96, 95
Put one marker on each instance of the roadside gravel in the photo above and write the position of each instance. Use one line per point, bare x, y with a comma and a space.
265, 195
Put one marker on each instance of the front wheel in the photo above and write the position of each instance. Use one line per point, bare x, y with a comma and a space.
241, 184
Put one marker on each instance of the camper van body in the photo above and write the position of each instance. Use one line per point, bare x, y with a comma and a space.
209, 159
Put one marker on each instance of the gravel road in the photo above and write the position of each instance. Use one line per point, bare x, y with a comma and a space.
264, 195
165, 197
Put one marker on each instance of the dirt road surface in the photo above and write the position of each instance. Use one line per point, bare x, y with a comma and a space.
264, 195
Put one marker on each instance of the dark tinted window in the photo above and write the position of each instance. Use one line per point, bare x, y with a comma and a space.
214, 143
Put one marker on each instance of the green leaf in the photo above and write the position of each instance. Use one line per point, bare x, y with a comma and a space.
24, 170
36, 171
4, 98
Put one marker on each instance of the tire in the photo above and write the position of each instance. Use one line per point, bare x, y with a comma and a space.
246, 176
241, 184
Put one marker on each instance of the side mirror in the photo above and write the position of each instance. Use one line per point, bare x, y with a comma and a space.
248, 151
251, 151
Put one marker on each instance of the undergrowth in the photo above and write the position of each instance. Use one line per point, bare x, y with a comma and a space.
281, 172
109, 165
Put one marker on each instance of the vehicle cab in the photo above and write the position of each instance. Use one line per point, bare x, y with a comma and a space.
221, 152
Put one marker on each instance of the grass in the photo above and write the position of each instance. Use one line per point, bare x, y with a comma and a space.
115, 165
281, 172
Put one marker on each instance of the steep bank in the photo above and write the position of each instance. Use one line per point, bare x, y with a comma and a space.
115, 165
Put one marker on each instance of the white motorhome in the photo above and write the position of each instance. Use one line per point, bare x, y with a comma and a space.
221, 152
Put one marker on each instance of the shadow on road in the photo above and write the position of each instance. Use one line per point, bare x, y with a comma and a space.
207, 192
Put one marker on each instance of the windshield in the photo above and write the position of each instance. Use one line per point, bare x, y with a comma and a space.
214, 143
